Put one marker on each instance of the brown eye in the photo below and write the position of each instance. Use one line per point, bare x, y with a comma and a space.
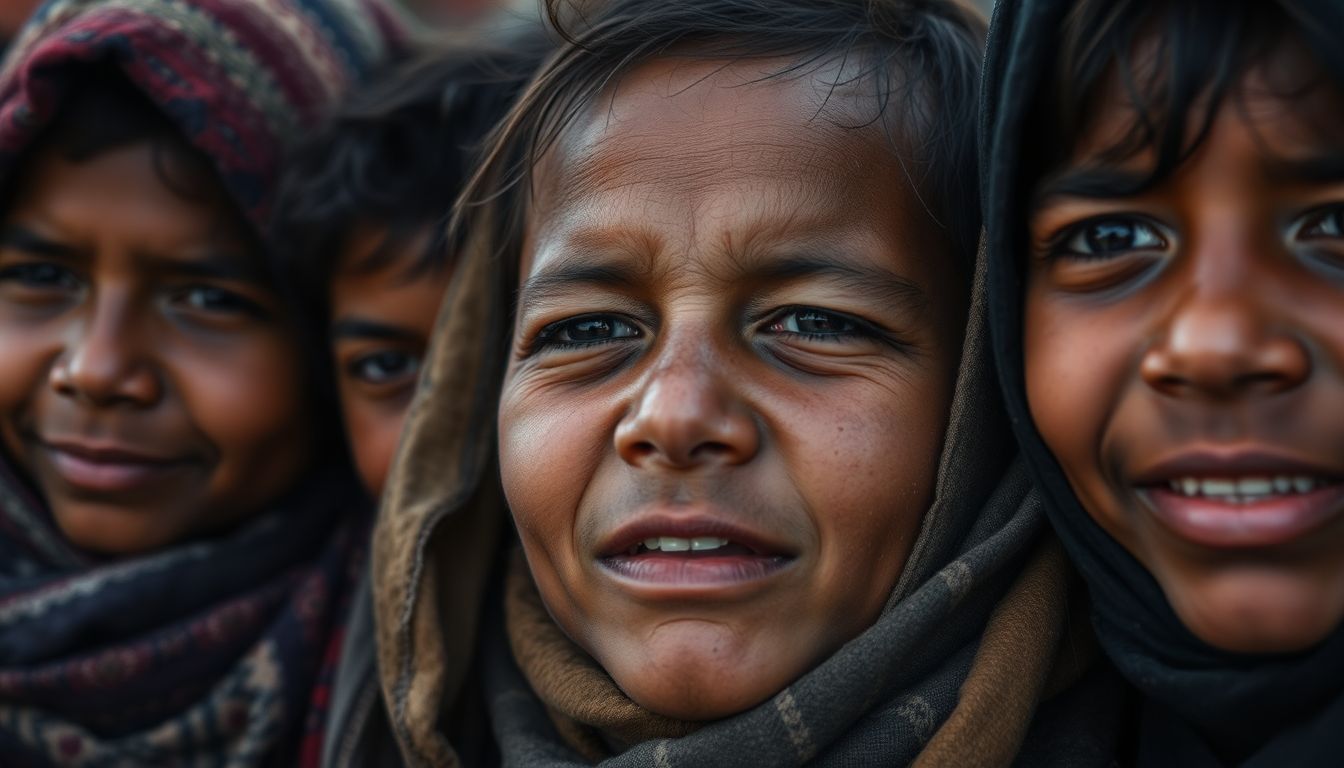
585, 331
1321, 224
813, 323
1103, 238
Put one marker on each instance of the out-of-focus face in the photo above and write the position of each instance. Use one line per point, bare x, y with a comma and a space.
381, 321
732, 365
152, 388
1185, 357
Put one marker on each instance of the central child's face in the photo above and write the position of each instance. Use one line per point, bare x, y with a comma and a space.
732, 367
1185, 357
150, 388
381, 320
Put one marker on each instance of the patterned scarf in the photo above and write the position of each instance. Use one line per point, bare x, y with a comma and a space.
208, 652
214, 652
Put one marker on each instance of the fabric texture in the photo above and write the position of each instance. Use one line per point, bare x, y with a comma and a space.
240, 78
214, 652
977, 563
1292, 705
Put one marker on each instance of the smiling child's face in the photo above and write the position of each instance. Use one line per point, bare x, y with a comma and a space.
151, 390
732, 366
381, 321
1185, 358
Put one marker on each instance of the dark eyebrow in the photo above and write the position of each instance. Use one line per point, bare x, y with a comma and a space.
570, 273
1324, 168
23, 239
1092, 181
880, 285
361, 328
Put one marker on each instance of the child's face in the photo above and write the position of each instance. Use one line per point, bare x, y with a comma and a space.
382, 318
732, 366
1185, 358
150, 388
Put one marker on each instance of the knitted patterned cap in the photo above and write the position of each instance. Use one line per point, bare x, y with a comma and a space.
240, 78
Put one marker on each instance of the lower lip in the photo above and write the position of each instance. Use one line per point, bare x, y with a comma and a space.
1274, 521
701, 570
107, 476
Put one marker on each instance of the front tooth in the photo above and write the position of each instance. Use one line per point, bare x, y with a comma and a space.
673, 544
652, 543
1303, 484
1217, 487
701, 543
1190, 486
1283, 484
1254, 486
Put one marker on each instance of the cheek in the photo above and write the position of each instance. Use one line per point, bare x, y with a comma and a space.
373, 430
866, 460
27, 358
247, 400
550, 445
1075, 368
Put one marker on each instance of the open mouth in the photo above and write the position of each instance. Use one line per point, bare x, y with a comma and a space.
1253, 510
721, 559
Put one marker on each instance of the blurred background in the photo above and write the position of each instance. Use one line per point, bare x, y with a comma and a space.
451, 14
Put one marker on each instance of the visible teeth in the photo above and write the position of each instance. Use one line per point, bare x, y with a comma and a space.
652, 543
1254, 486
702, 543
1244, 489
673, 544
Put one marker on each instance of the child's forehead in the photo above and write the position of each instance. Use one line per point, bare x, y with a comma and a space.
697, 126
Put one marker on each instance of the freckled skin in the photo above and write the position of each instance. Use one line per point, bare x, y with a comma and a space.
398, 297
1229, 333
693, 183
120, 347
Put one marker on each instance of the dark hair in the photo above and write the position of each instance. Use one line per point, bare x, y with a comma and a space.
1177, 63
922, 58
396, 155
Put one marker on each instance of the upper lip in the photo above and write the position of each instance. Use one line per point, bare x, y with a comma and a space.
689, 525
104, 452
1230, 462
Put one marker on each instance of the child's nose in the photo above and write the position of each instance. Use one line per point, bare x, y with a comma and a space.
103, 362
1224, 344
687, 415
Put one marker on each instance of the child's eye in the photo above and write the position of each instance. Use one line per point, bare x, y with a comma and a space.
1321, 224
384, 367
40, 276
587, 330
215, 300
1101, 238
812, 323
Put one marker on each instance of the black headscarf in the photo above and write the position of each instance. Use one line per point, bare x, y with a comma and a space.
1272, 710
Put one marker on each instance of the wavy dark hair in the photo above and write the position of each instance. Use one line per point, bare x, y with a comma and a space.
921, 58
396, 155
1176, 61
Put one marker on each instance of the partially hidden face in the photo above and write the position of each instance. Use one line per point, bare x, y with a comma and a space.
383, 305
151, 390
1185, 356
732, 365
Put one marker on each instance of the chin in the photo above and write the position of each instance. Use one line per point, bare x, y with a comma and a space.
110, 531
706, 679
1259, 612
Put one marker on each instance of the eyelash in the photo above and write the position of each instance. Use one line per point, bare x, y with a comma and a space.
857, 328
56, 276
546, 341
1060, 245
